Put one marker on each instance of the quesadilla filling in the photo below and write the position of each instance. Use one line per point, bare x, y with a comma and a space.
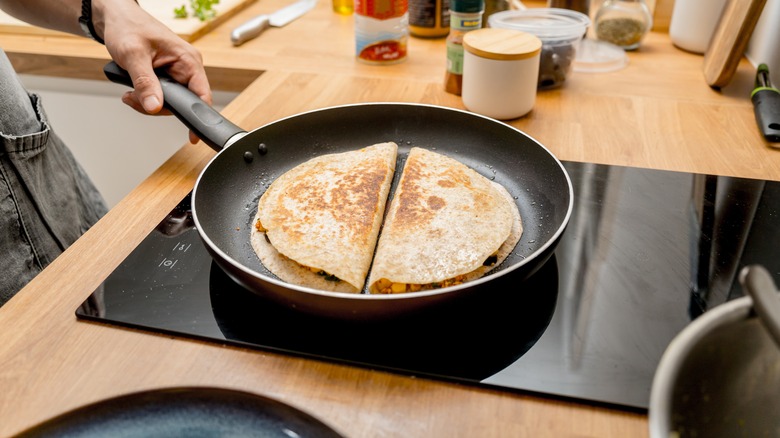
260, 227
326, 276
321, 273
385, 286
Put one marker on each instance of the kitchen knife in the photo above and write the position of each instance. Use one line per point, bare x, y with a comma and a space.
256, 26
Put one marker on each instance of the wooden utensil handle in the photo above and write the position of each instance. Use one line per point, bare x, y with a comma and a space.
730, 40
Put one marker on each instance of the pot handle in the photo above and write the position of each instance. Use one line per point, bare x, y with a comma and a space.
758, 283
206, 122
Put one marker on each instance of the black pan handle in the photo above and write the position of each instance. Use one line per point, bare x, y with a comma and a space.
206, 122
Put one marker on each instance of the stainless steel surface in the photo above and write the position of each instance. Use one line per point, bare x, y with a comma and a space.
254, 27
718, 377
762, 290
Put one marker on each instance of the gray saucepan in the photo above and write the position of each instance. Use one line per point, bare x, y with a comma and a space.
720, 376
226, 193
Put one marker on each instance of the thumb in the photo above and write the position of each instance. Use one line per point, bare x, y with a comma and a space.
147, 87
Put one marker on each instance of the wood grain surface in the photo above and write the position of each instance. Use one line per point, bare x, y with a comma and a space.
53, 363
658, 112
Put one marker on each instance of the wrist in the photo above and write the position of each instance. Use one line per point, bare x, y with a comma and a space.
100, 10
89, 21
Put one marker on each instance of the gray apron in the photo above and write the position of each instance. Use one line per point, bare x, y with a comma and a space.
46, 199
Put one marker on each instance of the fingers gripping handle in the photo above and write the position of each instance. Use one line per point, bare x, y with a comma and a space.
206, 122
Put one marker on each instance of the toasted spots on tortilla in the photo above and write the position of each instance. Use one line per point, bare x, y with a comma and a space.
436, 203
444, 224
355, 200
351, 198
326, 213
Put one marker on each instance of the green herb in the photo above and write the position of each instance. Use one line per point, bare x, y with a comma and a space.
202, 9
180, 12
328, 277
624, 32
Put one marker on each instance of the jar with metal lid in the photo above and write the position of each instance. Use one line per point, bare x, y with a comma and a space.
623, 22
500, 72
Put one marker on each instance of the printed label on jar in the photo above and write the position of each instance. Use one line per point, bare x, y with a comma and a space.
422, 14
382, 51
455, 58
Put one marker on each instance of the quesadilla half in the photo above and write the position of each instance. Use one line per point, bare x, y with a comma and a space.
446, 225
317, 224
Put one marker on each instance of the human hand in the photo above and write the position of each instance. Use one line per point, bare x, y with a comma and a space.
139, 43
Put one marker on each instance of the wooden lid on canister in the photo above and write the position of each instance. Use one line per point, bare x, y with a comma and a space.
502, 44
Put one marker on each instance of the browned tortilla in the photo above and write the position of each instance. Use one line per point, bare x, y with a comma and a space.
322, 218
444, 222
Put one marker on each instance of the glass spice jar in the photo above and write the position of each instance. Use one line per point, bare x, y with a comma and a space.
623, 22
465, 16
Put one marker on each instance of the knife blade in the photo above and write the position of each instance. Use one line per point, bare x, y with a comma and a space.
254, 27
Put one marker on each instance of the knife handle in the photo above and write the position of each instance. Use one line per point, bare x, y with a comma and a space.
250, 29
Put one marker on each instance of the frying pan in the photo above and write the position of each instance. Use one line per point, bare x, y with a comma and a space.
225, 196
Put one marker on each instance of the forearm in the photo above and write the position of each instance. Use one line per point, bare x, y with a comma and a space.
62, 15
138, 42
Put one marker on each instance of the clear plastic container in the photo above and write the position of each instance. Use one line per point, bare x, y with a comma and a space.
560, 31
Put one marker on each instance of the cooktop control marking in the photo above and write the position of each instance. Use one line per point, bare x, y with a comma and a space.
183, 247
167, 263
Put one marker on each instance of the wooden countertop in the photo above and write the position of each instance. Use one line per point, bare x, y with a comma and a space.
657, 113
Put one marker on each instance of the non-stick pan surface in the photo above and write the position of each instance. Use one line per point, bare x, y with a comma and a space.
226, 194
225, 197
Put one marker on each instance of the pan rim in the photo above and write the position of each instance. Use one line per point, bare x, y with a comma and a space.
381, 297
677, 352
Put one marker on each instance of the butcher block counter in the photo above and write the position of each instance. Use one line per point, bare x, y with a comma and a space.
656, 113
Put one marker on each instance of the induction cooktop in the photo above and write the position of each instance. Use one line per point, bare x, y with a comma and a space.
645, 252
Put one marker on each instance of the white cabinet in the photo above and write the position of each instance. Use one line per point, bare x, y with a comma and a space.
117, 147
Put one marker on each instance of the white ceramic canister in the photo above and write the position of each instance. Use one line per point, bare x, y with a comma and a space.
500, 72
693, 23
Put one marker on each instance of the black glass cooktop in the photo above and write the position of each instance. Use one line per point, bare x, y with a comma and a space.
645, 252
